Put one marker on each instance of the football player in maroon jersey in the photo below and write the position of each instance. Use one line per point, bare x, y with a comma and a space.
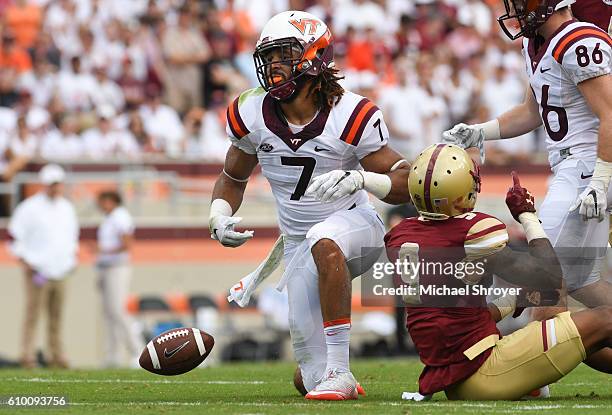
457, 340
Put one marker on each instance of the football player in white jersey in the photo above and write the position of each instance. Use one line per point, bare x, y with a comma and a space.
569, 66
320, 148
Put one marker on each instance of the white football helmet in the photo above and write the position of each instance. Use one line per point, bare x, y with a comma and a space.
305, 44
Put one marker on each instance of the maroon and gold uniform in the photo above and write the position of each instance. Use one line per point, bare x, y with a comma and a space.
443, 333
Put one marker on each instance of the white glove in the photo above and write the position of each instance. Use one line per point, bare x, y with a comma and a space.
466, 136
335, 184
593, 201
222, 230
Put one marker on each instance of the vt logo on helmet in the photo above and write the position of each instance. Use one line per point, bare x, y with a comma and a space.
444, 181
302, 24
292, 45
529, 15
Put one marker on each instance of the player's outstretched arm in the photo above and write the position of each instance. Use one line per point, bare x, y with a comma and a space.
593, 200
517, 121
227, 198
521, 119
537, 268
385, 176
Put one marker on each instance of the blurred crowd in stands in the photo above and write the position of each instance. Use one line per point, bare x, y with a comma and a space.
147, 79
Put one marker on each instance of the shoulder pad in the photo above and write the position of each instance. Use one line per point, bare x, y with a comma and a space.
486, 235
578, 33
238, 110
357, 111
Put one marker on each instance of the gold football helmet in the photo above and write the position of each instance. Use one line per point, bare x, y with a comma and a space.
443, 182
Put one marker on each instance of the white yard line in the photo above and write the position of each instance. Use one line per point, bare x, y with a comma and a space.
499, 406
161, 403
155, 381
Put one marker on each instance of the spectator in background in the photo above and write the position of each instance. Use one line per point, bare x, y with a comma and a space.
238, 27
360, 15
25, 20
45, 234
162, 123
63, 143
106, 140
75, 88
136, 130
8, 87
106, 91
115, 236
186, 51
23, 144
13, 56
205, 137
221, 76
396, 101
132, 88
459, 90
39, 82
11, 161
45, 50
501, 91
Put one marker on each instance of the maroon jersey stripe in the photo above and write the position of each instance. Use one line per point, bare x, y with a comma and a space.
363, 124
577, 35
345, 133
486, 231
428, 174
544, 336
235, 122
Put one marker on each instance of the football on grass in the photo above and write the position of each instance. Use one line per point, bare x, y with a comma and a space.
176, 351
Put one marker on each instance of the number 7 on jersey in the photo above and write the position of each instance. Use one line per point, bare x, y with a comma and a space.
308, 164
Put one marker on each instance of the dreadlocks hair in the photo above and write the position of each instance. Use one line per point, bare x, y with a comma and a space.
327, 89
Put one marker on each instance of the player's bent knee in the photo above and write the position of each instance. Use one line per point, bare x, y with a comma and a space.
326, 250
298, 382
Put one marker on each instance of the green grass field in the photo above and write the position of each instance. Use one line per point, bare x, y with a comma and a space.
267, 389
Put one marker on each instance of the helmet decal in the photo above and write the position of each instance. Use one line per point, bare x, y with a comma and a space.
303, 24
429, 174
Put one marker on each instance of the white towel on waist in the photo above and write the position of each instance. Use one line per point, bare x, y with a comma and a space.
242, 291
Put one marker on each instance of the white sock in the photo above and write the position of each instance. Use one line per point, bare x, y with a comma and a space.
337, 337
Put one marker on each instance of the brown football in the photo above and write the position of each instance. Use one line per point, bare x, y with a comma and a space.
176, 351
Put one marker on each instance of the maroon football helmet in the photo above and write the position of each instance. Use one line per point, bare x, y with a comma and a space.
529, 16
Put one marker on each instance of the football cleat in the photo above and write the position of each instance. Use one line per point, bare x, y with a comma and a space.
541, 393
360, 390
336, 386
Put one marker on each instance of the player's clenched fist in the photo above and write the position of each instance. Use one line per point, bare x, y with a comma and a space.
222, 230
518, 199
221, 224
593, 201
335, 184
